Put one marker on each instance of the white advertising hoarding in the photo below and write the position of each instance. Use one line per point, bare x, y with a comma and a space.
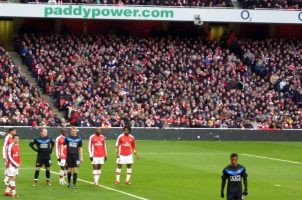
149, 13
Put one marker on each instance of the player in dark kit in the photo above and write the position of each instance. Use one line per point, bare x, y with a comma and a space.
234, 173
74, 155
44, 146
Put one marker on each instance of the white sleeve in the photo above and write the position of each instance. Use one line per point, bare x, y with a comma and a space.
117, 140
4, 147
105, 146
90, 148
10, 155
57, 147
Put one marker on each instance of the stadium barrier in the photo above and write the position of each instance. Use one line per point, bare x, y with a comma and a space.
176, 134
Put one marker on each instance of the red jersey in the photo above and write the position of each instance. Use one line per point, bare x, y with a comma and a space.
7, 141
97, 146
60, 148
125, 144
13, 153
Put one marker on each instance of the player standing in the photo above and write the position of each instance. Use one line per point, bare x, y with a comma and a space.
61, 156
13, 161
8, 139
234, 173
74, 156
125, 144
97, 153
44, 146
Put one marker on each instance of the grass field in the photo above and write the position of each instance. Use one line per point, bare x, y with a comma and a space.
177, 170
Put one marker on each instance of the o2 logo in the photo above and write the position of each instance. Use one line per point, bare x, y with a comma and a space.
300, 16
246, 15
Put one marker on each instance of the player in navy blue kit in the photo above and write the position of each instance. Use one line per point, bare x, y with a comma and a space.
44, 146
234, 173
74, 156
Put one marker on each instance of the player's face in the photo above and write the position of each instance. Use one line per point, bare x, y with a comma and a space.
98, 131
13, 132
126, 131
234, 161
16, 140
44, 133
73, 132
63, 133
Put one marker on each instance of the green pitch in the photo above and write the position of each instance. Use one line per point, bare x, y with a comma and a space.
176, 170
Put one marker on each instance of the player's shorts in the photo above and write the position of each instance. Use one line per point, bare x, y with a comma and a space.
62, 162
234, 197
124, 160
12, 171
45, 160
72, 161
98, 160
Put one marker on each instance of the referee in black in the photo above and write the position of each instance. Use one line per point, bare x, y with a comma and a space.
44, 146
74, 156
234, 173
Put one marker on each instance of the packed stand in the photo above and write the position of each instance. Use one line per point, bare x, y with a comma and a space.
193, 3
271, 4
20, 102
111, 80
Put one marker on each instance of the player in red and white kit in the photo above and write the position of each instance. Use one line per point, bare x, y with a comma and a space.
61, 156
98, 153
13, 161
8, 139
125, 144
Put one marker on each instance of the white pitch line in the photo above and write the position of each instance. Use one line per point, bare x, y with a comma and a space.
108, 188
275, 159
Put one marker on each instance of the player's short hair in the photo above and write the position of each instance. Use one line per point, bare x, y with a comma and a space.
11, 129
15, 136
42, 129
62, 131
234, 155
127, 127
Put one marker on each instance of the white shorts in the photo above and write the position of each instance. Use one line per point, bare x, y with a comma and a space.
12, 171
98, 160
123, 160
62, 162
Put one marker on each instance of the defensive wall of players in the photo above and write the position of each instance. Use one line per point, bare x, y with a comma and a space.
176, 134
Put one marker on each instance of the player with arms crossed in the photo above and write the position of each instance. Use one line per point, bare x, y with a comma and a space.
44, 146
97, 153
234, 173
8, 139
74, 156
13, 161
125, 144
61, 156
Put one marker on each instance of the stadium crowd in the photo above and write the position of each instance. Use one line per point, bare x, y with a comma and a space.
273, 4
110, 80
20, 102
